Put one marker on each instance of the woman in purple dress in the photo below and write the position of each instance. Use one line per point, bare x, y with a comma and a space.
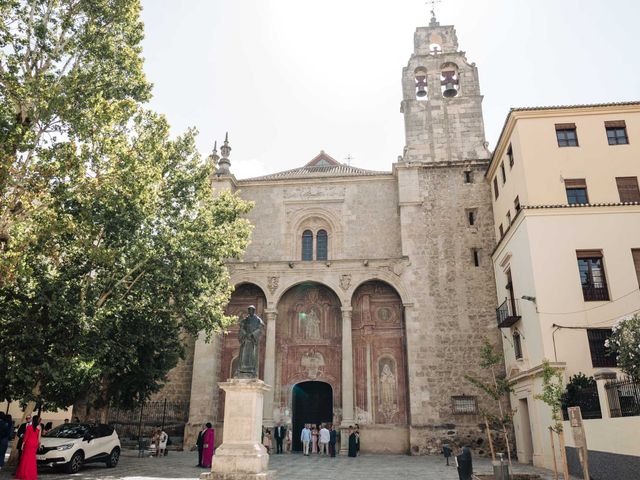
208, 440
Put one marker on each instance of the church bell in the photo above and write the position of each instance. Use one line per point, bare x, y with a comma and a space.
420, 85
449, 91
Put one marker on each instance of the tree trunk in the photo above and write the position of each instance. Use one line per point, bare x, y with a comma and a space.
506, 439
563, 453
493, 453
553, 452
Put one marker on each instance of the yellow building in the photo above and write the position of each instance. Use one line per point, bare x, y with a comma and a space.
566, 206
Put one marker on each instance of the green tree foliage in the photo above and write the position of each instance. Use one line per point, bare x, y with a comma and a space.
582, 392
113, 245
625, 344
552, 393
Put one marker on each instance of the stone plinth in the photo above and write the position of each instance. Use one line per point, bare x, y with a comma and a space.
241, 455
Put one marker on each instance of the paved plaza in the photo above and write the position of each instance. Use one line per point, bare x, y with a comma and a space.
180, 465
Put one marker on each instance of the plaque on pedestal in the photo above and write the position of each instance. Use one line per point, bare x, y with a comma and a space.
241, 455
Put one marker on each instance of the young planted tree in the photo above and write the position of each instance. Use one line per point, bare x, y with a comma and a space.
553, 393
498, 388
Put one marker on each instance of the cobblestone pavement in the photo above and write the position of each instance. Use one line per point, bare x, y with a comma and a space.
180, 465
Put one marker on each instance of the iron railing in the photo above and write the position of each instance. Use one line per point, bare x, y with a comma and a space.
587, 399
595, 293
624, 397
505, 314
140, 423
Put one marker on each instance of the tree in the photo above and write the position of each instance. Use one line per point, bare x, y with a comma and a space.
625, 344
553, 391
112, 246
70, 70
498, 389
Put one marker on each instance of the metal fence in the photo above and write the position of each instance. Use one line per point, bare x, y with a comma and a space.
587, 399
140, 423
624, 397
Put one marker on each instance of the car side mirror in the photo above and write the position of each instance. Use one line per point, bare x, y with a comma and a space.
87, 437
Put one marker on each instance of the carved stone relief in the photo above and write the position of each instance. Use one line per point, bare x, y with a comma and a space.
272, 284
345, 281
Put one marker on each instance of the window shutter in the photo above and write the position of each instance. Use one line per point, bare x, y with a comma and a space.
628, 189
575, 183
589, 253
636, 261
615, 124
565, 126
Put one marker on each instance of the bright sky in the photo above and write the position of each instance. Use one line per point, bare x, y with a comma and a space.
288, 78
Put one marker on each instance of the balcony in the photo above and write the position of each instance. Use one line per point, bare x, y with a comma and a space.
596, 292
505, 316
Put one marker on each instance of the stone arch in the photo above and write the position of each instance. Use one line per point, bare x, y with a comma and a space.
379, 336
314, 219
450, 79
386, 277
242, 278
246, 293
308, 340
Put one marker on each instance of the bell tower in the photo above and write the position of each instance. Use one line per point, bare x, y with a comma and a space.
441, 100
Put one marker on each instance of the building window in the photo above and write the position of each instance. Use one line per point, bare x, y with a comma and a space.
599, 352
321, 245
504, 174
592, 277
468, 176
566, 135
501, 230
464, 404
472, 217
509, 218
496, 192
576, 191
510, 155
628, 189
516, 204
476, 257
616, 132
635, 253
517, 345
307, 245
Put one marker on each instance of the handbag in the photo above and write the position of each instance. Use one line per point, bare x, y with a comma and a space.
206, 445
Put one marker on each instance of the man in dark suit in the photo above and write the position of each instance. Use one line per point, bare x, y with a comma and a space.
280, 434
21, 431
200, 444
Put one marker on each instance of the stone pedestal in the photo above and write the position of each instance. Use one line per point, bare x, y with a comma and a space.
241, 455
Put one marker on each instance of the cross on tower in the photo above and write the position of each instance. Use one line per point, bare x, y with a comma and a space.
348, 158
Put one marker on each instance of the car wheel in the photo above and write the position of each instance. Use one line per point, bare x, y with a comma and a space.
114, 456
75, 463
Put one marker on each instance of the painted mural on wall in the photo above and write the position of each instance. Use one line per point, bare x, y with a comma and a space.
308, 341
379, 355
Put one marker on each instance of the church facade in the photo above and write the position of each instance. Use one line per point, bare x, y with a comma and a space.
376, 288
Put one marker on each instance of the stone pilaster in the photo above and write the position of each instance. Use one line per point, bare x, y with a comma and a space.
270, 366
347, 376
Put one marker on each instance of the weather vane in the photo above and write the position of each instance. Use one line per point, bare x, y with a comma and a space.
433, 6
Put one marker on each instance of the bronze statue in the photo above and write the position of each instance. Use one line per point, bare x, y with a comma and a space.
251, 328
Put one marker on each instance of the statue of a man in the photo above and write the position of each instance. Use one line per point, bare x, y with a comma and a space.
251, 328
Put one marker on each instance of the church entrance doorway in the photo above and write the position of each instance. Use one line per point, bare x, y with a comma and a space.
312, 403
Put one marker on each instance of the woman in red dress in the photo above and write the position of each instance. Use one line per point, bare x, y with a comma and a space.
28, 467
208, 447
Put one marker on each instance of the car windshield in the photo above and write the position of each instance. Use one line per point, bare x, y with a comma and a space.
68, 430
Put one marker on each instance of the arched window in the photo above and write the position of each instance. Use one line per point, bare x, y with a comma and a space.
307, 245
321, 245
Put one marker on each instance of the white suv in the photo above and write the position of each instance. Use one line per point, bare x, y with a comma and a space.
73, 444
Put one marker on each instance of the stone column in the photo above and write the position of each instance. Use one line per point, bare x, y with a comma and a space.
270, 366
601, 377
347, 379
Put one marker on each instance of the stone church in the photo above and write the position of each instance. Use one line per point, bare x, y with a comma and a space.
376, 287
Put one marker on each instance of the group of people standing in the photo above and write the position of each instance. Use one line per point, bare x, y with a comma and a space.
206, 445
320, 439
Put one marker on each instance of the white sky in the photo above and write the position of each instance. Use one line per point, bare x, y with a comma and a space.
288, 78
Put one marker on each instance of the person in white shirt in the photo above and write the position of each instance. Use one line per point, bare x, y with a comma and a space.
324, 440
